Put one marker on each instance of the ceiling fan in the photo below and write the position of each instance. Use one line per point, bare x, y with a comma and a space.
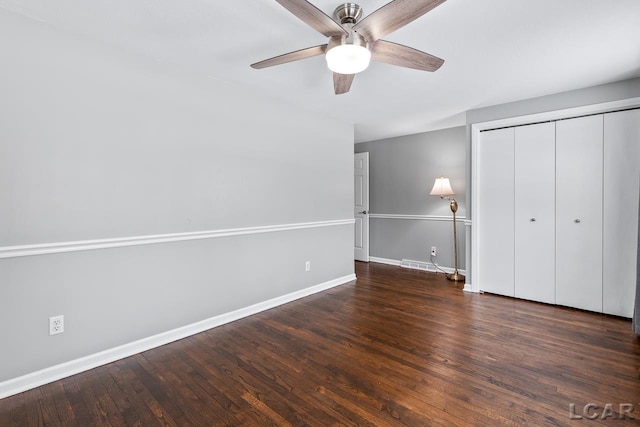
353, 42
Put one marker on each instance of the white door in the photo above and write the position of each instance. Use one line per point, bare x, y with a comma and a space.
579, 152
494, 218
361, 207
621, 188
535, 212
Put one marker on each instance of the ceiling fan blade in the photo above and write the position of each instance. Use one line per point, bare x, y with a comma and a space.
342, 82
314, 17
404, 56
291, 56
392, 16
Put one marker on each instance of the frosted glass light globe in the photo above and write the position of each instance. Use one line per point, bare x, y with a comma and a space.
348, 59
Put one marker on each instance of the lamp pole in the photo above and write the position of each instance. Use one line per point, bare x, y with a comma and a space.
442, 188
455, 276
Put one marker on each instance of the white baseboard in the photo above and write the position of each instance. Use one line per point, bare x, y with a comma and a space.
384, 261
469, 288
63, 370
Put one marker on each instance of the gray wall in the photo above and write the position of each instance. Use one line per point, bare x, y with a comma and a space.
96, 144
576, 98
402, 171
558, 101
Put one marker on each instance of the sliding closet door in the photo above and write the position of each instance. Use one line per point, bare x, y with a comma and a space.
535, 214
621, 190
495, 211
579, 157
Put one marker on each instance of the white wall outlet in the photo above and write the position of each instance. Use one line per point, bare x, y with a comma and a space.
433, 251
307, 266
56, 325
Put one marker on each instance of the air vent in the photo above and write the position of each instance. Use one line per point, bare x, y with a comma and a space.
418, 265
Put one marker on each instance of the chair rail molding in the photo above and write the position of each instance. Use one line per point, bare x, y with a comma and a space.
87, 245
459, 219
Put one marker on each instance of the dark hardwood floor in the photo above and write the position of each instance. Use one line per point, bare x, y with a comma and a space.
397, 347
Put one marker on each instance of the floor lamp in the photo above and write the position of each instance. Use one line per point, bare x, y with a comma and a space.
442, 188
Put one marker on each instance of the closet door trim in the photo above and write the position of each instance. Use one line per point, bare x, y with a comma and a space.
472, 284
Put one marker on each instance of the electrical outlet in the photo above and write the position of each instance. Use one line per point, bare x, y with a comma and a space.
56, 325
307, 266
433, 251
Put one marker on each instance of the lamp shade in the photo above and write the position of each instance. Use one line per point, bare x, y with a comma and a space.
442, 187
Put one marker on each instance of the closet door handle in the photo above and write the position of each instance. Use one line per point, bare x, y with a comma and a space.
532, 220
577, 220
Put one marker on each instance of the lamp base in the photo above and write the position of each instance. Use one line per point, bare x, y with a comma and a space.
456, 277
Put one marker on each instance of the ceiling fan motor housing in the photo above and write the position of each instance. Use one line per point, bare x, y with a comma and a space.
347, 13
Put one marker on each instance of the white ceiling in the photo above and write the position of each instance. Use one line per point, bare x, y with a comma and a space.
495, 51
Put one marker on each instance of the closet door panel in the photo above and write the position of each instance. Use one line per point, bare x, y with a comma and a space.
495, 212
621, 190
535, 212
579, 158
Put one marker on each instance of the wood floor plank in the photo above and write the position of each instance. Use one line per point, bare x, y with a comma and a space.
400, 361
101, 398
14, 411
198, 360
86, 407
187, 400
32, 409
405, 378
316, 366
348, 370
125, 408
138, 384
129, 387
310, 390
55, 391
397, 347
404, 373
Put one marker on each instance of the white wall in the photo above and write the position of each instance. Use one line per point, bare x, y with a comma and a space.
97, 144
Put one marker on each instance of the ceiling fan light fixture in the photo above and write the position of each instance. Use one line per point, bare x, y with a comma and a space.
348, 54
348, 58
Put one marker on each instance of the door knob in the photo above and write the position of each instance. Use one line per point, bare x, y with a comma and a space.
363, 212
532, 220
577, 220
